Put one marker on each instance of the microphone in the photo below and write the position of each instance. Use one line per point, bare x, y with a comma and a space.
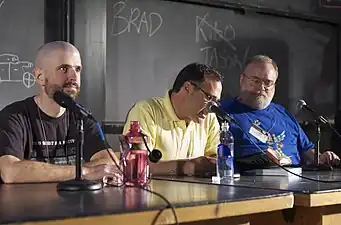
65, 101
213, 108
154, 155
302, 105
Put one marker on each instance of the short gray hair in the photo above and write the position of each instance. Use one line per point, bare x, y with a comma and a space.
262, 59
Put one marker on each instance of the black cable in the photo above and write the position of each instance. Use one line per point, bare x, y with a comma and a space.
169, 205
334, 130
278, 164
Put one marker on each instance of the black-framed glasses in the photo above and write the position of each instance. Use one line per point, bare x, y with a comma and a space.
208, 96
255, 81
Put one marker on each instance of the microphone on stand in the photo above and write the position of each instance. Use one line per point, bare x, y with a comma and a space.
65, 101
302, 105
78, 183
213, 108
316, 166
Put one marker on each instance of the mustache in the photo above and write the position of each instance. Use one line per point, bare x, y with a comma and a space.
70, 84
256, 94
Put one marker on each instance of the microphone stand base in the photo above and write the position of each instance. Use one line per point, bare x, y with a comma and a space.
79, 185
319, 167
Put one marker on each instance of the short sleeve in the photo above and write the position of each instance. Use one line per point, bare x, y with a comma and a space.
303, 142
213, 137
143, 113
12, 135
93, 142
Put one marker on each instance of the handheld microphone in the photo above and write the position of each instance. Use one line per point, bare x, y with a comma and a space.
302, 105
65, 101
213, 108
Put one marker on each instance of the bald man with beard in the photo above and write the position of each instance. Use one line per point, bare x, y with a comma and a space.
269, 125
37, 136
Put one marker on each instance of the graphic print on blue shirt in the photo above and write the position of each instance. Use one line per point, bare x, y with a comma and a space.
285, 135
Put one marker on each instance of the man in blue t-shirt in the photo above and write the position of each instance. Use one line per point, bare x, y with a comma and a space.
269, 125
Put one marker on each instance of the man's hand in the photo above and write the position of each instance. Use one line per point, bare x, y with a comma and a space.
329, 158
202, 166
104, 172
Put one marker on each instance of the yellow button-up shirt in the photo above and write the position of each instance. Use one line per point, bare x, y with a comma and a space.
169, 134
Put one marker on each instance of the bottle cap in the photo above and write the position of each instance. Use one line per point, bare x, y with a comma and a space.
225, 125
216, 179
134, 128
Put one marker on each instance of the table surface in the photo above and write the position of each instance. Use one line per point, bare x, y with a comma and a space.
41, 202
329, 193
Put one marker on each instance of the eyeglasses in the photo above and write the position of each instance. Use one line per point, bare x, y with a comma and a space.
255, 81
208, 96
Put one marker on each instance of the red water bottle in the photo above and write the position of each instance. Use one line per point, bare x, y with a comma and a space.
136, 165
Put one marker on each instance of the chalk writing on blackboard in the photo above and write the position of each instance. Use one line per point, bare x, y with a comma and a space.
135, 20
213, 32
226, 56
2, 3
12, 70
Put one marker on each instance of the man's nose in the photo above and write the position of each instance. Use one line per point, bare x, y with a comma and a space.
261, 86
72, 74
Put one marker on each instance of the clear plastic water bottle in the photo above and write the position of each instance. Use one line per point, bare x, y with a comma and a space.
225, 153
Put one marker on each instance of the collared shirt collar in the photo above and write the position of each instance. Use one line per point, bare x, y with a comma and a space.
169, 107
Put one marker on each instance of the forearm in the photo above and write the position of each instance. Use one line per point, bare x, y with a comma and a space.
31, 171
168, 168
309, 156
103, 157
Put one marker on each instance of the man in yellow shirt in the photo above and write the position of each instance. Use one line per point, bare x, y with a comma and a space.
179, 124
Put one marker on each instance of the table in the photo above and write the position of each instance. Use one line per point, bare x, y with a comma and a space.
206, 204
316, 203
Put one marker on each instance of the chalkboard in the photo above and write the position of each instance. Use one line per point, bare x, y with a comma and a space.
148, 42
22, 32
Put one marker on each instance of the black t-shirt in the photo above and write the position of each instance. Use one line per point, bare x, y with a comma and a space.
26, 132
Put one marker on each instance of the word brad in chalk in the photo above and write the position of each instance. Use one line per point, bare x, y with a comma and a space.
136, 20
12, 70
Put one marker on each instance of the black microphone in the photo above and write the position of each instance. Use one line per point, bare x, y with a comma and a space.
213, 108
302, 105
155, 155
65, 101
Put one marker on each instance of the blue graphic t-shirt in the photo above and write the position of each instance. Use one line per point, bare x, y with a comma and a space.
285, 135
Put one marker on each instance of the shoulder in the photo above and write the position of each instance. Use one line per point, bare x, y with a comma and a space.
16, 114
153, 103
227, 103
151, 106
232, 106
17, 108
280, 109
283, 112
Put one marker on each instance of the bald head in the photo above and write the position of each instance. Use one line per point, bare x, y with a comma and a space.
47, 50
58, 67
